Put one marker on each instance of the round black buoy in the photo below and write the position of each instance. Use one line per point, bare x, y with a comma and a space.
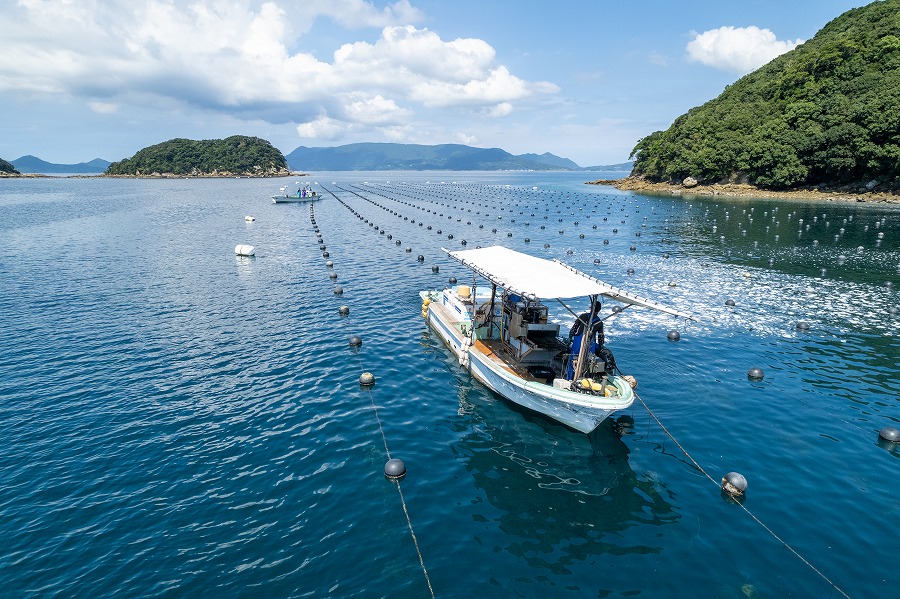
394, 469
630, 271
802, 325
673, 336
755, 374
734, 484
890, 433
367, 379
344, 310
355, 340
452, 280
729, 303
338, 290
420, 258
435, 268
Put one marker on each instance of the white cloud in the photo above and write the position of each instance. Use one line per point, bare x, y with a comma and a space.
500, 110
322, 128
465, 139
359, 108
103, 107
737, 49
250, 59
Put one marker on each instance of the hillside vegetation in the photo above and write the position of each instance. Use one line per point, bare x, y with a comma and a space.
235, 155
7, 169
826, 113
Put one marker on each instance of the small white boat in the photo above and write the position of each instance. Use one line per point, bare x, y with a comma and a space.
505, 339
304, 194
296, 199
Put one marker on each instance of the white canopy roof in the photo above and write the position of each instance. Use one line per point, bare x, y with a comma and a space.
547, 279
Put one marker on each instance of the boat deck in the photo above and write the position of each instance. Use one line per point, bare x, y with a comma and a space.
493, 350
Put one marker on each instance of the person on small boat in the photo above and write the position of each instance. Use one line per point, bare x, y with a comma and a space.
594, 336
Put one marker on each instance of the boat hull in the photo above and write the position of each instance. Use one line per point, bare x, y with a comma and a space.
294, 199
580, 411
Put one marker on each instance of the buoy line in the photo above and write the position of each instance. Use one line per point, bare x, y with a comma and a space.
743, 507
396, 479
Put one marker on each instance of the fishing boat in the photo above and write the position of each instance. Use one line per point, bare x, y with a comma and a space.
303, 195
506, 339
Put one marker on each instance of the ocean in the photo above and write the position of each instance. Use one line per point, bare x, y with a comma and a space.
177, 420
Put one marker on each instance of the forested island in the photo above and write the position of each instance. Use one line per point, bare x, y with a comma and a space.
7, 170
235, 156
824, 116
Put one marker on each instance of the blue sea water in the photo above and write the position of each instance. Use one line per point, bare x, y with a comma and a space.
179, 421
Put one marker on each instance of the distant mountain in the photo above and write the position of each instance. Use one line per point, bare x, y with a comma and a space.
621, 166
415, 157
32, 164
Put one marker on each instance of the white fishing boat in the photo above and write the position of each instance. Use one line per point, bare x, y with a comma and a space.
305, 194
505, 338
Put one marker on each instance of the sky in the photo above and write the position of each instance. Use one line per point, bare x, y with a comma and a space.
585, 80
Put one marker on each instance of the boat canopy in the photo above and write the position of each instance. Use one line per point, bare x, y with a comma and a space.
530, 276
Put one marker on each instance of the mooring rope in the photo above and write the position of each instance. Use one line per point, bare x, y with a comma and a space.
387, 451
743, 507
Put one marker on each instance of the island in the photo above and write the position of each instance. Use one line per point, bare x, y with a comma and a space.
820, 121
235, 156
7, 169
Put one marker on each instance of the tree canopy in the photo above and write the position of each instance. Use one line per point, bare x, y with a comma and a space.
825, 113
7, 168
236, 155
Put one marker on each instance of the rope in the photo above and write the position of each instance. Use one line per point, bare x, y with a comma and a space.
388, 453
743, 507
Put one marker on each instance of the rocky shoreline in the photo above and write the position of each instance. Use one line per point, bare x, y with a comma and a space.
743, 190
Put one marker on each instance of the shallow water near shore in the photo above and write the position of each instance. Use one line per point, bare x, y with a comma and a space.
176, 420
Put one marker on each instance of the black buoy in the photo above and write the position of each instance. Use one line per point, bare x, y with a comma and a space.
325, 254
729, 303
338, 290
355, 340
344, 310
394, 469
452, 280
755, 374
630, 271
734, 484
367, 379
435, 268
673, 336
420, 258
802, 325
890, 433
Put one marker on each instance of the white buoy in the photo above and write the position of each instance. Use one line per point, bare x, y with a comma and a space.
244, 249
249, 218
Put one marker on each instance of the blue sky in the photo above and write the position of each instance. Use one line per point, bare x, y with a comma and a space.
84, 79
